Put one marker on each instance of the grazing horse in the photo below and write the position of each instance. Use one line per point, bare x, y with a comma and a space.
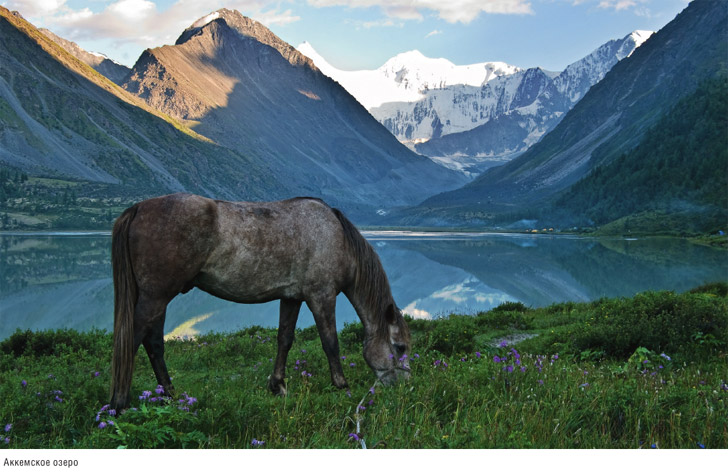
294, 250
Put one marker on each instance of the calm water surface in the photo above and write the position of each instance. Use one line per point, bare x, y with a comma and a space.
64, 280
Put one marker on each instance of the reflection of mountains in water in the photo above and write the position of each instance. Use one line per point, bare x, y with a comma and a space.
540, 270
56, 282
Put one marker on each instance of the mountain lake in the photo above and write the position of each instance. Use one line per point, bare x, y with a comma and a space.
63, 280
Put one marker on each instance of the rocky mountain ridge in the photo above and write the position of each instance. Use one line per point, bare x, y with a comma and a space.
104, 65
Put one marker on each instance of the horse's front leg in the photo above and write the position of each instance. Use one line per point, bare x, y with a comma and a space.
286, 332
324, 313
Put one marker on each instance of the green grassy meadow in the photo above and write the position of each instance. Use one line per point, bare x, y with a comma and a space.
649, 371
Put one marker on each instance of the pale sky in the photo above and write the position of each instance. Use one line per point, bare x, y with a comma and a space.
363, 34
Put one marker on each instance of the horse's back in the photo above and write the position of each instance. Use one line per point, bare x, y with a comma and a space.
273, 250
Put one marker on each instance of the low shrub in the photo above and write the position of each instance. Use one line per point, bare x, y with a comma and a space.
661, 321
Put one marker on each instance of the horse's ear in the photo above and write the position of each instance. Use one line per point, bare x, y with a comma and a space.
391, 314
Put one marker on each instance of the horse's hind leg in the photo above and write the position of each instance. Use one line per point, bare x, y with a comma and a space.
149, 330
154, 344
286, 330
324, 313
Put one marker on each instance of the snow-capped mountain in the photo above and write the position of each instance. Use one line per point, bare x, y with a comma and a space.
475, 116
406, 77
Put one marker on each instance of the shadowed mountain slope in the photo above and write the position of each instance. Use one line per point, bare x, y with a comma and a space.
60, 118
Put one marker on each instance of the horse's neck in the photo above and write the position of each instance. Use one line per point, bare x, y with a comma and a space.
370, 309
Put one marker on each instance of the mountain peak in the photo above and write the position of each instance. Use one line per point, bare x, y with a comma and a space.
414, 59
247, 28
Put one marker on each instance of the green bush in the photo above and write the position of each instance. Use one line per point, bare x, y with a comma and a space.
352, 335
511, 306
660, 321
454, 334
54, 342
717, 289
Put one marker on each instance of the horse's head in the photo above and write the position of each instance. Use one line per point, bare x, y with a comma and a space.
386, 350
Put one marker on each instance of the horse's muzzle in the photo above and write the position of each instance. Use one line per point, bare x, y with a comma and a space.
393, 375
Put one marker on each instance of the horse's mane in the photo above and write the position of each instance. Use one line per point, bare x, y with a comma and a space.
371, 280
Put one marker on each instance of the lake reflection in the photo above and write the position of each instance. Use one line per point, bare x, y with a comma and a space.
57, 281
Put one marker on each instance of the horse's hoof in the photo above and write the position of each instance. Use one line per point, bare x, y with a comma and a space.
277, 386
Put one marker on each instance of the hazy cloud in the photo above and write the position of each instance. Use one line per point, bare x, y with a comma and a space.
138, 22
433, 33
452, 11
29, 8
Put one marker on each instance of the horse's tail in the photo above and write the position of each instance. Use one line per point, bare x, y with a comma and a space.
125, 298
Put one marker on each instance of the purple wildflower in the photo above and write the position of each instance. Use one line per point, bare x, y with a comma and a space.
112, 412
362, 407
540, 382
478, 355
523, 369
391, 356
8, 427
462, 359
58, 399
371, 390
371, 402
303, 351
305, 374
724, 387
354, 436
352, 364
497, 359
701, 446
23, 383
584, 385
348, 393
159, 390
403, 358
417, 356
665, 356
102, 425
7, 440
503, 343
97, 373
257, 443
343, 357
508, 368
